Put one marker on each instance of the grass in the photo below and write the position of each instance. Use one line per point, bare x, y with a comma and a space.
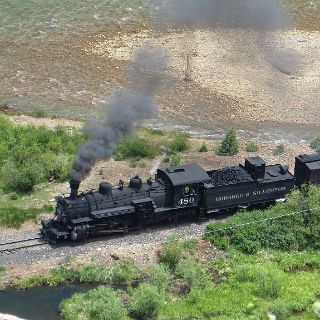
146, 143
289, 233
28, 154
122, 272
14, 217
251, 146
279, 149
315, 144
239, 286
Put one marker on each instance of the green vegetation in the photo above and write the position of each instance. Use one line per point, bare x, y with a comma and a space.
179, 143
122, 272
145, 143
172, 251
135, 147
315, 144
101, 303
237, 286
229, 145
279, 149
146, 302
251, 146
28, 154
175, 159
203, 148
37, 112
14, 217
290, 232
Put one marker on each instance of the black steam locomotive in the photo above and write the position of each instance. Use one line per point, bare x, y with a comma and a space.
185, 190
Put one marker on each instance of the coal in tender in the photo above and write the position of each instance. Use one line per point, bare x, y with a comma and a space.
227, 176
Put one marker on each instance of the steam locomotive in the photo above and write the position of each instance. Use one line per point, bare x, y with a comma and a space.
184, 190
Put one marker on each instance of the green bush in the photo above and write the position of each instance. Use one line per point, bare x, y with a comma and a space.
124, 271
269, 283
146, 302
135, 147
315, 144
279, 149
203, 148
28, 154
159, 276
179, 143
229, 145
289, 232
101, 303
192, 273
172, 251
175, 159
251, 146
37, 112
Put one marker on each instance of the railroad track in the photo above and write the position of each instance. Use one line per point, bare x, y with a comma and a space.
14, 246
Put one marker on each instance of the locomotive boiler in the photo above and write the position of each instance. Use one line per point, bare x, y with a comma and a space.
184, 190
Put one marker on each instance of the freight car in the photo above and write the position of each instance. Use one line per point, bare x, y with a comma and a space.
184, 190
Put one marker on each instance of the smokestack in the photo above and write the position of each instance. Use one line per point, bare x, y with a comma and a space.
74, 187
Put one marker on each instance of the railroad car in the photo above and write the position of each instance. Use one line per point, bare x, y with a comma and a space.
184, 190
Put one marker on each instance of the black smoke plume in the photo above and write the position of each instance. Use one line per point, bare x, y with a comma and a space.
127, 108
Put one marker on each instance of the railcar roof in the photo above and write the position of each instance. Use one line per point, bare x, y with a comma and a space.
309, 157
185, 174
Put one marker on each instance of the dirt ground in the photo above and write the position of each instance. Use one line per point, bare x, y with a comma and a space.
237, 74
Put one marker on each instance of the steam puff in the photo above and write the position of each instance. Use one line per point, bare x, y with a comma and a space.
127, 108
251, 14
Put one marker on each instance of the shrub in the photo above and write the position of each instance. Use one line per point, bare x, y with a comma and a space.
203, 148
159, 276
279, 309
229, 145
172, 251
135, 148
146, 301
251, 146
179, 143
269, 283
175, 160
192, 273
38, 112
28, 154
101, 303
279, 149
2, 269
189, 245
124, 271
315, 144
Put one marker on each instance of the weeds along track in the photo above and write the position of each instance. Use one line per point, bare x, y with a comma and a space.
14, 246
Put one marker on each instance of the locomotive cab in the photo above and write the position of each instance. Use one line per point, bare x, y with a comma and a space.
183, 183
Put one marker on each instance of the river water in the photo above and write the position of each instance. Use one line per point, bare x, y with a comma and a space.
37, 303
42, 63
41, 58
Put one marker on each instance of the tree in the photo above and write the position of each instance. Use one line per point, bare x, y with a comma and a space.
229, 146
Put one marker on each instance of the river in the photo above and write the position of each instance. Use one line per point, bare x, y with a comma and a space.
37, 303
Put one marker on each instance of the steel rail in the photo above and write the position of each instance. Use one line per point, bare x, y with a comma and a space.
14, 249
19, 241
